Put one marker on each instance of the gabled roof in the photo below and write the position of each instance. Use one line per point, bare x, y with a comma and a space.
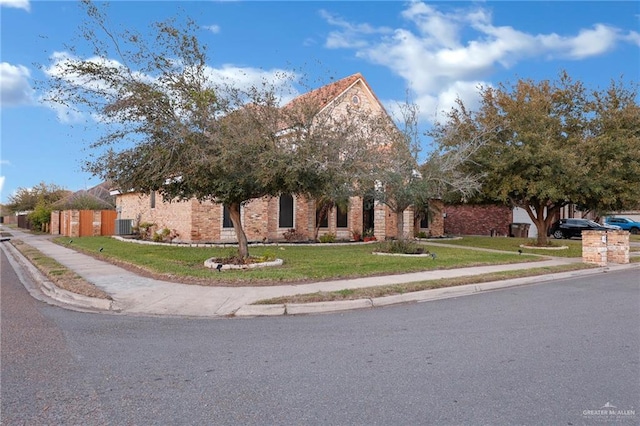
98, 197
325, 95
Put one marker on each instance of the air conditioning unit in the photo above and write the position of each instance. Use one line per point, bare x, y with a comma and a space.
124, 226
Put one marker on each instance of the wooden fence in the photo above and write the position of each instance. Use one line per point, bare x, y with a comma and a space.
83, 223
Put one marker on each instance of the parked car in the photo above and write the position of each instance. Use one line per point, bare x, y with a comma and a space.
624, 223
568, 228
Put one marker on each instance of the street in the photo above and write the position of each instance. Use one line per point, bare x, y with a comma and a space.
555, 353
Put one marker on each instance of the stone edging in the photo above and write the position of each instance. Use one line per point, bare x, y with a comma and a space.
211, 263
544, 248
379, 253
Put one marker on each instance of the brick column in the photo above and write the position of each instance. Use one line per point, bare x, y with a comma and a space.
618, 246
379, 219
97, 223
436, 227
54, 229
594, 247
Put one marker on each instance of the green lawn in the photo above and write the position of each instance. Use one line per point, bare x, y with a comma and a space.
301, 262
513, 244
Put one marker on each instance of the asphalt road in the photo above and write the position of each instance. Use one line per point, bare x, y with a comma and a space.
555, 353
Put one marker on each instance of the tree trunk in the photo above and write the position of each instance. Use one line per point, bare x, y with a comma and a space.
234, 215
322, 213
542, 223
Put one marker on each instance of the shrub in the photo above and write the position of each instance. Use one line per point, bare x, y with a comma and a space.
327, 238
421, 234
292, 235
163, 235
40, 217
400, 247
145, 229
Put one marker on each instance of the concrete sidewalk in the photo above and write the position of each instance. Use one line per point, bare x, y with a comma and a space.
134, 294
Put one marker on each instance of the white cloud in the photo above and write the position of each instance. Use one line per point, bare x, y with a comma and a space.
244, 78
632, 37
213, 28
17, 4
349, 35
442, 55
64, 108
15, 89
592, 42
241, 78
2, 178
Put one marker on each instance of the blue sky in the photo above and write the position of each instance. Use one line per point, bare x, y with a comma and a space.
436, 50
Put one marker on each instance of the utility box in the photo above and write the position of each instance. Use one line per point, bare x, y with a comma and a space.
519, 230
124, 227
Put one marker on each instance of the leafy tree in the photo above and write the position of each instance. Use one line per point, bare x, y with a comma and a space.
543, 145
402, 182
40, 217
26, 199
610, 154
178, 130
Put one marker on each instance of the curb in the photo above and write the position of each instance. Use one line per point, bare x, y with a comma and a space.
49, 289
417, 296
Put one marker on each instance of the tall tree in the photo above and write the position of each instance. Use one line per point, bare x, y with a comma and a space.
543, 145
176, 129
611, 152
44, 194
401, 182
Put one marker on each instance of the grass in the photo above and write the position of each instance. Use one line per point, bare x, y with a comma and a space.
395, 289
305, 263
513, 244
302, 263
60, 275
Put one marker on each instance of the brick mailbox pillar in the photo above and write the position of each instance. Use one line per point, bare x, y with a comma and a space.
618, 246
600, 247
594, 247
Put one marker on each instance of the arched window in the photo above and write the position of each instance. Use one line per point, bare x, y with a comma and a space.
285, 218
226, 218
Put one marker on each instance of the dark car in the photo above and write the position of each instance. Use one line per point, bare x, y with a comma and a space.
568, 228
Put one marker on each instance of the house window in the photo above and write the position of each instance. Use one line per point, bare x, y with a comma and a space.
324, 221
341, 217
424, 219
152, 198
285, 219
226, 218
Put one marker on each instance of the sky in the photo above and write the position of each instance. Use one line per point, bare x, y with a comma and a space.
434, 52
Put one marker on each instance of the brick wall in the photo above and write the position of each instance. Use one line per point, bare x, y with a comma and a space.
175, 216
468, 219
195, 221
600, 247
618, 246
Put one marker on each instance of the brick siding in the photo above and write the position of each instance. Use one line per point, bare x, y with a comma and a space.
467, 219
